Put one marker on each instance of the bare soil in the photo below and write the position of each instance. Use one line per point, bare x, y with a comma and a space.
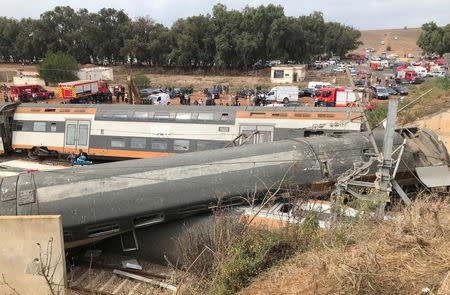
406, 42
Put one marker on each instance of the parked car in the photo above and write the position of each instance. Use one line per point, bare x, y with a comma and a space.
244, 92
309, 92
379, 92
339, 69
146, 92
391, 91
400, 90
359, 83
178, 91
210, 92
438, 74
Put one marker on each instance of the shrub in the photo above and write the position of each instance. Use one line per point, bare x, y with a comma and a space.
142, 81
58, 67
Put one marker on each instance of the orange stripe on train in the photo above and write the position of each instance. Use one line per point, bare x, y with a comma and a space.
99, 152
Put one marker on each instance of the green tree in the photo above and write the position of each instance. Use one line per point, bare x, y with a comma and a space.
58, 67
434, 39
141, 81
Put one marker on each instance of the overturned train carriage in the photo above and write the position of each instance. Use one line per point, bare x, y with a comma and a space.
106, 199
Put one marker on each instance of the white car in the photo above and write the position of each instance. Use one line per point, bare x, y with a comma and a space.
160, 98
438, 74
339, 69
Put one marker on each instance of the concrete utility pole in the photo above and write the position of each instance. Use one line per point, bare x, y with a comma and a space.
383, 182
348, 181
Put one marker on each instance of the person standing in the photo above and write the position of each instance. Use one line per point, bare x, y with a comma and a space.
34, 97
5, 97
188, 102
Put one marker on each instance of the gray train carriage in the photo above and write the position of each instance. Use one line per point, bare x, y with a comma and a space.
143, 131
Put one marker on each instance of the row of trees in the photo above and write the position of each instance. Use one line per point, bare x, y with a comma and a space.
226, 38
434, 39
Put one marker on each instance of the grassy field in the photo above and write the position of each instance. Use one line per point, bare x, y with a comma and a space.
406, 42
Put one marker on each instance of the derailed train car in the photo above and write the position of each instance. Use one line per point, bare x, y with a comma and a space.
108, 199
143, 131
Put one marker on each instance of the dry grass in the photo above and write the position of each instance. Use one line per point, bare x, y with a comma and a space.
400, 256
406, 42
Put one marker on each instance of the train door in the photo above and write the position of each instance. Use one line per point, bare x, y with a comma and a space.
252, 134
77, 136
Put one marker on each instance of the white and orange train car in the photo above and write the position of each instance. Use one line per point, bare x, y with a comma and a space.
142, 131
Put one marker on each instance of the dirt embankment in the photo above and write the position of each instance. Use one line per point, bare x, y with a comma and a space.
408, 255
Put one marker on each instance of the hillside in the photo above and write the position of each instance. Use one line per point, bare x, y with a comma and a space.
406, 42
406, 255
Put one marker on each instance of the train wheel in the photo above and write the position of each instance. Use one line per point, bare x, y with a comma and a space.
32, 154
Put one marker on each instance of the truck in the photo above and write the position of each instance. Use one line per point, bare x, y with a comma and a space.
411, 76
24, 93
376, 66
85, 91
283, 94
335, 97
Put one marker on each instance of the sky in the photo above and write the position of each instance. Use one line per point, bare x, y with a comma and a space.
361, 14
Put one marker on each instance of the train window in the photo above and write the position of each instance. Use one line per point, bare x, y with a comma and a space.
70, 134
120, 116
224, 117
224, 129
138, 143
161, 115
206, 116
50, 110
181, 145
118, 142
183, 116
279, 115
159, 145
19, 126
53, 127
305, 115
83, 131
325, 115
254, 114
140, 115
39, 126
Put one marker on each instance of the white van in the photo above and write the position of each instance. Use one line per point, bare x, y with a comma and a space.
318, 85
283, 93
160, 98
421, 71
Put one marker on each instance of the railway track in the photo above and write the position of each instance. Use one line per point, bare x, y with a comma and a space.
105, 279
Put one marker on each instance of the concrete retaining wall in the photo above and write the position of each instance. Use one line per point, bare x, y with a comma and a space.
24, 244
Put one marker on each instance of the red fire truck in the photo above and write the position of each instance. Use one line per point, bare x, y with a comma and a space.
24, 93
335, 97
85, 91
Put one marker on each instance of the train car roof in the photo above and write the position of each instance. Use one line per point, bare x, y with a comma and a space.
181, 108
